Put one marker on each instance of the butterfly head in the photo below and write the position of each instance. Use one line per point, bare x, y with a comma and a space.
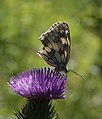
62, 68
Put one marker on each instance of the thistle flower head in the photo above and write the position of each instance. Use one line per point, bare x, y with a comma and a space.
39, 84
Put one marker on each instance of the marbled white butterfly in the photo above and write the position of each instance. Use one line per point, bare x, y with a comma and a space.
56, 46
56, 50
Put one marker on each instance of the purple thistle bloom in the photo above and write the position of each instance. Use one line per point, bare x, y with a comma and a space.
39, 84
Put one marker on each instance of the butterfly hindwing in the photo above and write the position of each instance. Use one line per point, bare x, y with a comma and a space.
56, 45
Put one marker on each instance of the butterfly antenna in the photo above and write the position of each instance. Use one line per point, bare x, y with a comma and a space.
76, 73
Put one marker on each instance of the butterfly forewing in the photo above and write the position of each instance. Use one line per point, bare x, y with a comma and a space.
56, 45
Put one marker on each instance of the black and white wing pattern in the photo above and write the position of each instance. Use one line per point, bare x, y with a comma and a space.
56, 46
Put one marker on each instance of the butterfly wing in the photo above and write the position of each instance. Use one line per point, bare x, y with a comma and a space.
56, 42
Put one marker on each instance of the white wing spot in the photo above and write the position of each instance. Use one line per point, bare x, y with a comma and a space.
68, 41
41, 37
38, 53
66, 31
56, 47
56, 29
65, 54
42, 56
43, 52
63, 41
47, 49
46, 34
49, 30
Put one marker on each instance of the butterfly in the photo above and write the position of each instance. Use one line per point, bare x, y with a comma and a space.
56, 46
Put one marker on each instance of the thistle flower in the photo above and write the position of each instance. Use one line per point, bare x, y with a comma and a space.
39, 84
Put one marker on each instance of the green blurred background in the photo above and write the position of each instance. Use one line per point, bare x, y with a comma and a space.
23, 21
